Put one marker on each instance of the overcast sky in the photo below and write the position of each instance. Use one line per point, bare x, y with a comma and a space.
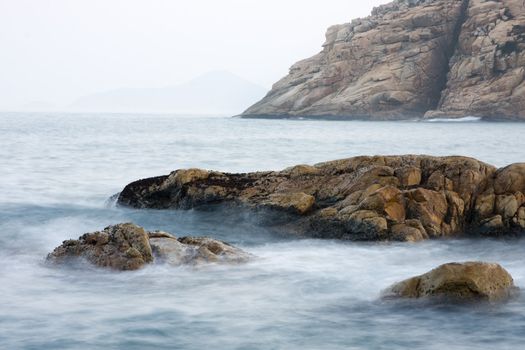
57, 50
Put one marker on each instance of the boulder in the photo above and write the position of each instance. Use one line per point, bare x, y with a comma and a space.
120, 247
408, 198
469, 281
130, 247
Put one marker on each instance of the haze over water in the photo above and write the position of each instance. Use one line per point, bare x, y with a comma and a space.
58, 171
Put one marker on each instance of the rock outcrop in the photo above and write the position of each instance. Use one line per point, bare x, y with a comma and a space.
487, 71
470, 281
130, 247
410, 59
405, 198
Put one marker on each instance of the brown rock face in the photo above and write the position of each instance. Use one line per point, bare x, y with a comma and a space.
130, 247
407, 198
487, 71
470, 281
442, 58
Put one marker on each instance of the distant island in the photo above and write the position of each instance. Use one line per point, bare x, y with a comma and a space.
412, 59
216, 92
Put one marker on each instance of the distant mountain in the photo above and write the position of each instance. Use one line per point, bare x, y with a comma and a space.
36, 106
217, 92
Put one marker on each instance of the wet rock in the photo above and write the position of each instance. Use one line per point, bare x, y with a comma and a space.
130, 247
121, 247
362, 198
493, 225
410, 231
469, 281
196, 251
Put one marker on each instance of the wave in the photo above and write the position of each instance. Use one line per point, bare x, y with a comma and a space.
468, 119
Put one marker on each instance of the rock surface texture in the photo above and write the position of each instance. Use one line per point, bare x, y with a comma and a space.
471, 281
130, 247
405, 198
412, 59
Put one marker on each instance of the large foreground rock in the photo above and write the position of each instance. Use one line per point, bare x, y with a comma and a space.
442, 58
407, 198
130, 247
459, 281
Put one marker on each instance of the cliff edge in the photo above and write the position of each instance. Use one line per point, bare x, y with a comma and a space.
412, 59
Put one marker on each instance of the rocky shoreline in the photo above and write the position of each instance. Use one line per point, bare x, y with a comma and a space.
368, 198
412, 59
379, 198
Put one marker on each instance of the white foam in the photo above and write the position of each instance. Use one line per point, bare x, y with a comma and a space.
467, 119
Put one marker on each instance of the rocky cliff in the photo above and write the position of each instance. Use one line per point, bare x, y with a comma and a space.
407, 198
412, 59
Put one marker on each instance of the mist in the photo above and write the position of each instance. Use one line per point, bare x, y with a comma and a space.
58, 51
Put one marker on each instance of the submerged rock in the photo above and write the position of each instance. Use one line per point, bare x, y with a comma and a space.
412, 59
130, 247
470, 281
406, 198
196, 250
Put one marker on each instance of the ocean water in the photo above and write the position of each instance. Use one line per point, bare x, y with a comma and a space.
58, 170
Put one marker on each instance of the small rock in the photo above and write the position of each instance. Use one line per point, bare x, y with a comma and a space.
121, 247
469, 281
130, 247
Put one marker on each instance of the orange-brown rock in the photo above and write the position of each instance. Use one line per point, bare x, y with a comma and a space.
362, 198
470, 281
121, 247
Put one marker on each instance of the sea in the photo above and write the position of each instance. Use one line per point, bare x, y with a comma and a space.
58, 171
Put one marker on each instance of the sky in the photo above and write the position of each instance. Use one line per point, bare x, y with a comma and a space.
54, 51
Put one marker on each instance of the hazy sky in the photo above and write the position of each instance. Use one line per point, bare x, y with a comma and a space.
57, 50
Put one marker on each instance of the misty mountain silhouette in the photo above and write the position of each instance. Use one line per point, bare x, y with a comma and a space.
217, 92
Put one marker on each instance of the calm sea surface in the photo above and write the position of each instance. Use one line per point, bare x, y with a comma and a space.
58, 170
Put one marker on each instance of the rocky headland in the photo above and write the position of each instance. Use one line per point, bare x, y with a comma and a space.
412, 59
401, 198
